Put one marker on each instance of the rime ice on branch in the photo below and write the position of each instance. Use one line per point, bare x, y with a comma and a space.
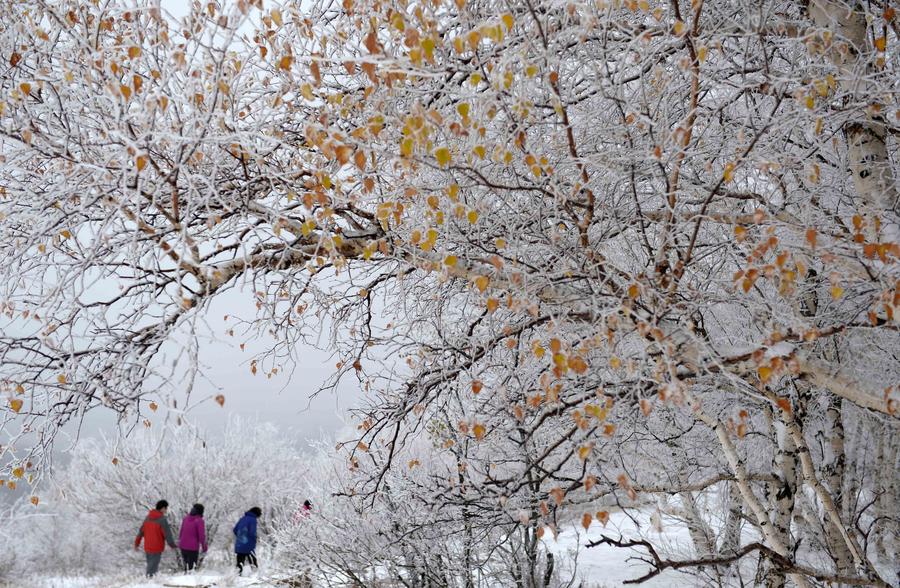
621, 250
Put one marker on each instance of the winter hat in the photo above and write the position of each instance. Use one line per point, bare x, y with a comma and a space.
197, 510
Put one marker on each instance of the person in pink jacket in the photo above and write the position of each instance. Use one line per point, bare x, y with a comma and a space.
192, 537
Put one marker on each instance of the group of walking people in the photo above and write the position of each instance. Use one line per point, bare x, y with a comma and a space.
156, 534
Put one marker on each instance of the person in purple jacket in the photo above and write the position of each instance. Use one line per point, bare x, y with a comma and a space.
192, 537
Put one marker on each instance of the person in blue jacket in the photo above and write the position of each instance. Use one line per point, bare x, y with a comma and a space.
245, 538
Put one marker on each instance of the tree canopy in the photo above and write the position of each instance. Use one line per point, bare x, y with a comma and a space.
612, 248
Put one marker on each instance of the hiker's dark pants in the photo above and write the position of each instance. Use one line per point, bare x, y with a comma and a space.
248, 557
153, 563
190, 559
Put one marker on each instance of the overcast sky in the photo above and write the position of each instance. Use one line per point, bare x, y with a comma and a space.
282, 399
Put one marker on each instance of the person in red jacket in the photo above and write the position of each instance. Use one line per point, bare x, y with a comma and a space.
156, 533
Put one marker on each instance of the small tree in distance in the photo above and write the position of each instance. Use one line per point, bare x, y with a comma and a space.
100, 497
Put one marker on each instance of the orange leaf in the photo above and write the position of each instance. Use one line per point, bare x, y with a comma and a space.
476, 386
479, 431
603, 517
811, 237
359, 158
220, 399
557, 494
343, 153
646, 407
784, 404
586, 519
15, 404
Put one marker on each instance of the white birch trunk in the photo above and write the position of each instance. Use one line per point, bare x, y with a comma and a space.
831, 511
769, 534
867, 148
833, 465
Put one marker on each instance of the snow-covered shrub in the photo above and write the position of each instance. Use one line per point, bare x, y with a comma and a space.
89, 521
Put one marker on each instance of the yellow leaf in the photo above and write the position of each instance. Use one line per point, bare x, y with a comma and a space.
472, 216
728, 174
679, 28
276, 17
428, 47
492, 304
18, 472
35, 500
481, 282
61, 378
584, 451
881, 43
633, 291
285, 62
141, 162
463, 109
701, 54
450, 261
406, 147
25, 87
134, 52
15, 404
765, 372
507, 21
442, 154
836, 292
479, 431
479, 151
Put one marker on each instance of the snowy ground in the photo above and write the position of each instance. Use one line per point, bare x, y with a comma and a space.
207, 580
596, 567
605, 566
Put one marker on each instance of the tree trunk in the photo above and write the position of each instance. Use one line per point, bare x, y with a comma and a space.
867, 149
833, 472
